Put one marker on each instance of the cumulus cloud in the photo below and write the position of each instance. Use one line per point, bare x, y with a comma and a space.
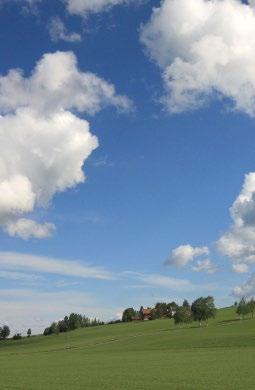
247, 289
43, 144
83, 7
240, 268
238, 243
205, 266
58, 32
200, 55
185, 254
56, 84
27, 228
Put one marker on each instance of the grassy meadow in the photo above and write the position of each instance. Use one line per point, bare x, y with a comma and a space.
148, 355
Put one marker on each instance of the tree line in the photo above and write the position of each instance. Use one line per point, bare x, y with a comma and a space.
5, 333
71, 322
200, 310
160, 310
245, 307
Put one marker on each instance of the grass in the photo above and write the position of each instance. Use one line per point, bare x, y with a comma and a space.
153, 355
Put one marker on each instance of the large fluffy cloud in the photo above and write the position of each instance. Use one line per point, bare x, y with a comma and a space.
238, 243
202, 56
43, 144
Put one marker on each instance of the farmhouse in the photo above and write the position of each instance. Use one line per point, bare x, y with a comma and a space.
147, 314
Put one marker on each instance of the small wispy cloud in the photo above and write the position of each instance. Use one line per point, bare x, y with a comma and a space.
58, 32
19, 276
157, 280
205, 266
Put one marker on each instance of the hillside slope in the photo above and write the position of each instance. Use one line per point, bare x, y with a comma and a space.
149, 355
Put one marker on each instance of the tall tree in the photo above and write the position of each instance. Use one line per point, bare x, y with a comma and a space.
242, 308
29, 332
203, 309
251, 306
128, 314
4, 332
141, 313
161, 309
185, 303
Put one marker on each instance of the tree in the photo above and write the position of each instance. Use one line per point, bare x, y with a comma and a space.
161, 309
53, 329
203, 309
242, 308
128, 314
47, 331
62, 326
141, 313
183, 315
186, 303
153, 315
251, 307
17, 336
75, 321
4, 332
29, 332
171, 308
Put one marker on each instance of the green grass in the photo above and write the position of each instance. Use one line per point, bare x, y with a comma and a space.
154, 355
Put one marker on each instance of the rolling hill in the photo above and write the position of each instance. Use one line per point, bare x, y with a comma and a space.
146, 355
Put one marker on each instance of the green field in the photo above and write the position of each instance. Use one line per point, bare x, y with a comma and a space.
148, 355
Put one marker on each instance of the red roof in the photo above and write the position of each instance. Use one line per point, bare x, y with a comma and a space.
147, 312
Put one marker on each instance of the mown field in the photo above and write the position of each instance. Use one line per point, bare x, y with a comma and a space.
154, 355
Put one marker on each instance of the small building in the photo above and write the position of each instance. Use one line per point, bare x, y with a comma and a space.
147, 314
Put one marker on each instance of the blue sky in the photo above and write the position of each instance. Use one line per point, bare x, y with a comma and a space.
175, 137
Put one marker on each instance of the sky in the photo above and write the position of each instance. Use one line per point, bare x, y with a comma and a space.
127, 168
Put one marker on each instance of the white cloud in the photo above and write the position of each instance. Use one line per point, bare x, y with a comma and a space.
20, 276
58, 32
48, 265
165, 282
247, 289
57, 84
43, 145
82, 7
205, 266
26, 228
240, 268
30, 308
184, 254
238, 243
202, 56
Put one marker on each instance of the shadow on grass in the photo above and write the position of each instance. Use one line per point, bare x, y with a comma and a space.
183, 328
234, 320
